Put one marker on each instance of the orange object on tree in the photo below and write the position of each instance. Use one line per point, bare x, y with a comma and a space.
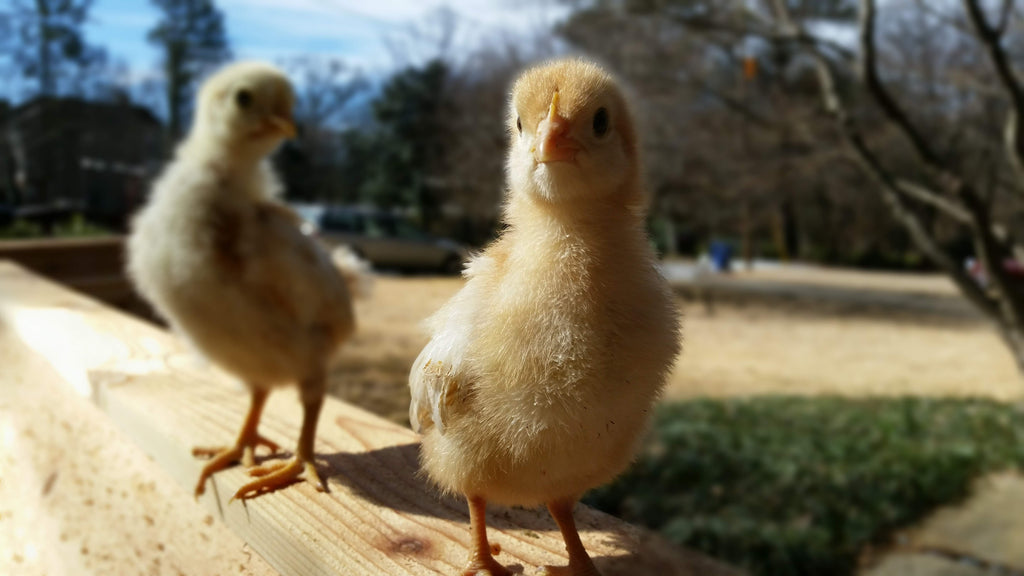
749, 67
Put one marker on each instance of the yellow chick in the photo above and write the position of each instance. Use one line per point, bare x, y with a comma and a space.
227, 265
538, 379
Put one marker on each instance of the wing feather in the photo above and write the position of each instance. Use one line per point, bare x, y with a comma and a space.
291, 271
441, 378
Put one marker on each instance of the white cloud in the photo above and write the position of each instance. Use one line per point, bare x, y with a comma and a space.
356, 30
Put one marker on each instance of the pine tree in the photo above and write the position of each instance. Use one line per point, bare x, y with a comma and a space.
192, 37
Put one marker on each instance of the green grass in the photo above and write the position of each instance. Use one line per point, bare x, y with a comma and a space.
77, 226
799, 486
74, 227
21, 229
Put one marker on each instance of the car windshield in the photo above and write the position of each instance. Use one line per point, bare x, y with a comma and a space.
309, 213
341, 221
390, 226
380, 226
408, 230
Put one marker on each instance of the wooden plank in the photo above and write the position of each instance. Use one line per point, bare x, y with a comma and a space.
73, 331
380, 516
77, 497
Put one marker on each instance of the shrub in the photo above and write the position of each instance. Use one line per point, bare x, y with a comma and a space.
800, 486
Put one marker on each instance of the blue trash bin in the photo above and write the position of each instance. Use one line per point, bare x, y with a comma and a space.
721, 255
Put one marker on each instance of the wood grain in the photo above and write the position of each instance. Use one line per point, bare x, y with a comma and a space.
79, 498
380, 516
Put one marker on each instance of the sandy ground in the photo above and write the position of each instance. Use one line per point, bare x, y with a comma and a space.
737, 351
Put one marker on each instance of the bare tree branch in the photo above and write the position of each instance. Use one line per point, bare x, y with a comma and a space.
928, 7
1004, 17
799, 36
935, 200
991, 38
892, 109
892, 192
869, 71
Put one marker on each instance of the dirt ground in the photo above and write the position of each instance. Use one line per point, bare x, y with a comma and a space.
739, 350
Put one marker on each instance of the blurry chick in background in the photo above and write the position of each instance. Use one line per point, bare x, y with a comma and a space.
226, 264
540, 374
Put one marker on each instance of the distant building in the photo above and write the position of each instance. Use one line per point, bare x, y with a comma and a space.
61, 154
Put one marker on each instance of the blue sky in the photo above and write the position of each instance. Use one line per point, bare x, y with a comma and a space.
351, 29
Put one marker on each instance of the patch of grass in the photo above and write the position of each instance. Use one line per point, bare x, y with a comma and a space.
75, 226
800, 486
21, 229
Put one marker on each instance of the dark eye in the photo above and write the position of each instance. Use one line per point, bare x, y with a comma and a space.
243, 98
600, 122
519, 124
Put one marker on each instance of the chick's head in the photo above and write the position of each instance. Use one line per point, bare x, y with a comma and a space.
246, 107
572, 135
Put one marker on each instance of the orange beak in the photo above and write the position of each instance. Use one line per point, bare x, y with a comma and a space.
274, 125
554, 145
281, 125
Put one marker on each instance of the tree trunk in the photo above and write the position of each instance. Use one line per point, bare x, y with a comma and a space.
175, 89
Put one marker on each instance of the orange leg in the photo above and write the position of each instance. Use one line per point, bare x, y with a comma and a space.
248, 439
579, 562
481, 560
281, 474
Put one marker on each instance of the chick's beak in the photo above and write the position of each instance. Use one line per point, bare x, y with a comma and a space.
281, 125
553, 143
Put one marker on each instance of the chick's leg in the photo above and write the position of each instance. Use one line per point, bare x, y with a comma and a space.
579, 561
248, 439
481, 560
279, 475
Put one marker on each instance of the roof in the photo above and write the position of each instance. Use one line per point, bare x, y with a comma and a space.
26, 107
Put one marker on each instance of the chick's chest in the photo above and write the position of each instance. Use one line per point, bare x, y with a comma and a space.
541, 318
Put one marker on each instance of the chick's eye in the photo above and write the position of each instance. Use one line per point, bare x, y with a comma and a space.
519, 124
243, 98
601, 122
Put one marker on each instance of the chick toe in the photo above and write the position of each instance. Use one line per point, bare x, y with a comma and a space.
247, 451
279, 475
222, 458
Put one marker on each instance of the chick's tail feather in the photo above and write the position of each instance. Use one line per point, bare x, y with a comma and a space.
356, 271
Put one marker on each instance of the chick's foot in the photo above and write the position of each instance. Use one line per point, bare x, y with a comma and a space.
223, 457
485, 565
278, 475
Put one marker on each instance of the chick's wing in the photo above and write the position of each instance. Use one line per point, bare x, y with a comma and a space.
439, 378
287, 270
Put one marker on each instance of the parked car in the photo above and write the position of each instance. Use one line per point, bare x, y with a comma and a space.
386, 239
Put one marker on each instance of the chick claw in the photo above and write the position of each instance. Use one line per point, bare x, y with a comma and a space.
223, 457
278, 475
